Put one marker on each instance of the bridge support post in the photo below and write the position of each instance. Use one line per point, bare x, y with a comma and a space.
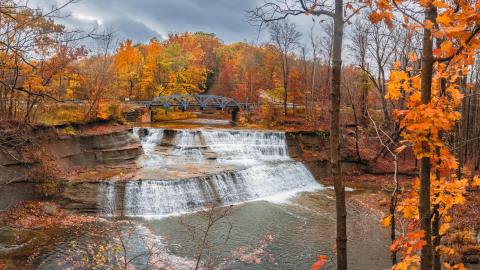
235, 116
145, 116
152, 114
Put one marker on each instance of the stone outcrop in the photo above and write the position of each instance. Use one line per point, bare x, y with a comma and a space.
71, 151
111, 149
14, 170
313, 149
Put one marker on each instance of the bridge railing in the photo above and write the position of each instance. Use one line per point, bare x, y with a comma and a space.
198, 101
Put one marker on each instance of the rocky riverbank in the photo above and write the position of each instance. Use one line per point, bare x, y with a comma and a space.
66, 152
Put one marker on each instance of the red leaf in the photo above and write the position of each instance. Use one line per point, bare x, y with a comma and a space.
321, 261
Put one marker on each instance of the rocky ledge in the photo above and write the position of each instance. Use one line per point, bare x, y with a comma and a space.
71, 153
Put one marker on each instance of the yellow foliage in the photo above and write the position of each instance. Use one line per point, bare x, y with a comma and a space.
444, 19
476, 180
444, 228
387, 221
162, 115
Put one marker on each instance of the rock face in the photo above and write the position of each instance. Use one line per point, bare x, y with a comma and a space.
105, 149
80, 196
13, 170
72, 151
313, 149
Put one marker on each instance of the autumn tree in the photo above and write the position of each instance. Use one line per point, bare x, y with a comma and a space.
359, 44
209, 43
432, 98
246, 71
153, 76
96, 76
127, 67
34, 51
315, 44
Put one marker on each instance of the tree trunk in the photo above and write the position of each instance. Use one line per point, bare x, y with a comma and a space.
335, 137
312, 89
363, 99
424, 193
285, 83
355, 117
386, 111
130, 90
437, 262
304, 82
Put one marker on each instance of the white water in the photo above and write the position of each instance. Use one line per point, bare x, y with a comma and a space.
107, 198
264, 171
149, 144
188, 145
246, 147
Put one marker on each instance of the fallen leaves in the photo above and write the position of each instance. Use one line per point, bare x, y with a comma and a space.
36, 215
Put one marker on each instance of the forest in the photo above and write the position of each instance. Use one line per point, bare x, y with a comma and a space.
351, 141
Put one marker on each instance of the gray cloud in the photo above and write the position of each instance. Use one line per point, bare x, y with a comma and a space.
126, 28
142, 19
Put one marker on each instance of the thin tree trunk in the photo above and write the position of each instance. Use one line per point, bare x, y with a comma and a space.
386, 111
357, 147
312, 89
336, 78
364, 99
424, 193
393, 207
304, 81
437, 263
285, 83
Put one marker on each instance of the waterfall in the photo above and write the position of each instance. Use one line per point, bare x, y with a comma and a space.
149, 198
107, 198
247, 146
187, 146
256, 166
150, 141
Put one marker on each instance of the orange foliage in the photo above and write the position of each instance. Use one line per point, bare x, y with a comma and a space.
423, 125
34, 215
321, 261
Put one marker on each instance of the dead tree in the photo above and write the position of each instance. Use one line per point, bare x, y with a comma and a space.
285, 36
205, 249
359, 38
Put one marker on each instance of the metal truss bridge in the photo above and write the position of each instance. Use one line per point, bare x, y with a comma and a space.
202, 102
186, 102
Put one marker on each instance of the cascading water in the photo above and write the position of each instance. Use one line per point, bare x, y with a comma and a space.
247, 146
107, 198
188, 146
256, 166
149, 143
147, 198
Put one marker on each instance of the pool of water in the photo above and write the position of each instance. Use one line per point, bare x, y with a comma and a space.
302, 228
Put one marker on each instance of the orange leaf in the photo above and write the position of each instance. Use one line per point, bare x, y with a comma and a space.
387, 221
428, 24
321, 261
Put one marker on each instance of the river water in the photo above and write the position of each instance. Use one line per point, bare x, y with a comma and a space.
274, 213
272, 194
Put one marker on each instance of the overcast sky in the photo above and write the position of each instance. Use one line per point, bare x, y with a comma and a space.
141, 20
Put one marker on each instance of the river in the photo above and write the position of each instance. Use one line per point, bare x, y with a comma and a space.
274, 213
